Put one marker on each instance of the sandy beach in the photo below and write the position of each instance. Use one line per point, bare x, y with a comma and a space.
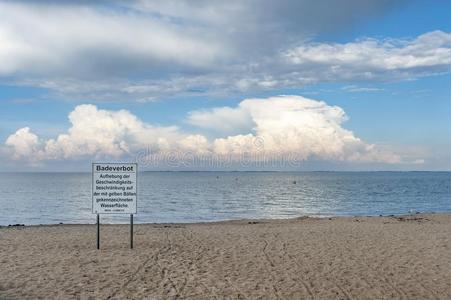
340, 258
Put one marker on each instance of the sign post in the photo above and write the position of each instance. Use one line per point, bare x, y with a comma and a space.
131, 231
114, 191
98, 231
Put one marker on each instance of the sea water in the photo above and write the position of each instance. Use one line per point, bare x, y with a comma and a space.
166, 197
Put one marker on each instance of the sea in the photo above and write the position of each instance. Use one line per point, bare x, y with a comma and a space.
184, 197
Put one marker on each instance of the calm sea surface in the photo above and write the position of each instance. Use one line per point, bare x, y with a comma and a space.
48, 198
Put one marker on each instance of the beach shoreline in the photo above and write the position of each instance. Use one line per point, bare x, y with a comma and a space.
225, 221
400, 257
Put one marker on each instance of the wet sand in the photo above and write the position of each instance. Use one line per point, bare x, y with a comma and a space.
340, 258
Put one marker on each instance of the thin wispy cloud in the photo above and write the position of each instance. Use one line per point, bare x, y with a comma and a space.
360, 89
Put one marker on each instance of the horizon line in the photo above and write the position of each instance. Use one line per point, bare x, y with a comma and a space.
251, 171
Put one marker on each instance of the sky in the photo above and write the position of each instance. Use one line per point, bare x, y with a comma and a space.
226, 85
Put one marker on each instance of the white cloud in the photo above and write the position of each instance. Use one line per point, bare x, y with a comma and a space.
103, 133
24, 144
196, 144
360, 61
85, 42
359, 89
225, 120
146, 50
284, 127
377, 60
298, 127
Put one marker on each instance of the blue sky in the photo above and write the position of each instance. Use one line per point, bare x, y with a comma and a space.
366, 83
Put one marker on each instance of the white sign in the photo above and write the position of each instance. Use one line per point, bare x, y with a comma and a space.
114, 188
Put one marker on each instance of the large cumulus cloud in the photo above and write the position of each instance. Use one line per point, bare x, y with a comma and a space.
276, 128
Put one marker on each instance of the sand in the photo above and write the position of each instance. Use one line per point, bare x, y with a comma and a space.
340, 258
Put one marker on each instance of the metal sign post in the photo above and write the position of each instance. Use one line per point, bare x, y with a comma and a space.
98, 231
131, 231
